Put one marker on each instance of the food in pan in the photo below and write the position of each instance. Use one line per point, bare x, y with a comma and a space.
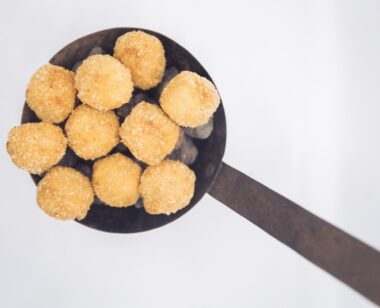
116, 179
189, 99
149, 133
103, 82
51, 93
65, 193
167, 187
144, 55
92, 133
36, 147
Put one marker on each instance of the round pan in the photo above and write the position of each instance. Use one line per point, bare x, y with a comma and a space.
211, 150
338, 253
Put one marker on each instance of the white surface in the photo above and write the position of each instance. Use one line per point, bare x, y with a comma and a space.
300, 86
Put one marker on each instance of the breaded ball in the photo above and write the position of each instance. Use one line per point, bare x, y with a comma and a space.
189, 99
144, 55
103, 82
167, 187
65, 193
116, 179
92, 133
149, 133
51, 93
36, 147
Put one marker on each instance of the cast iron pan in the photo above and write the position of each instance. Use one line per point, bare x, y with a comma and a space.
338, 253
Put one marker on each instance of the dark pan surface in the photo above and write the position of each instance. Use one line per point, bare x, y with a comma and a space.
211, 150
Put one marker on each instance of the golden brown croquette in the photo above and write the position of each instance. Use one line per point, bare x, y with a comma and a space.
116, 180
36, 147
92, 133
144, 55
167, 187
189, 99
65, 193
103, 82
149, 133
51, 93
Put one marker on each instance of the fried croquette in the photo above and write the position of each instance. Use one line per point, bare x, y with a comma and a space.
36, 147
65, 193
149, 133
116, 180
189, 99
92, 133
144, 55
103, 82
167, 187
51, 93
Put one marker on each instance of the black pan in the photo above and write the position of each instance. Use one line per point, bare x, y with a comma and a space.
338, 253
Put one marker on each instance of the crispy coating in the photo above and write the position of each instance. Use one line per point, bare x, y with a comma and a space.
116, 180
36, 147
167, 187
148, 133
65, 193
92, 133
103, 82
51, 93
144, 55
189, 99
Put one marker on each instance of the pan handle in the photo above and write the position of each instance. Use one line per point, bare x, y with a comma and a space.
338, 253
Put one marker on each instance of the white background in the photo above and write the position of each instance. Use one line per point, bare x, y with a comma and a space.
300, 85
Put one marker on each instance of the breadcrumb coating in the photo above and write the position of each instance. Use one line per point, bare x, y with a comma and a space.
103, 82
144, 55
116, 180
92, 133
149, 133
51, 93
65, 193
167, 187
36, 147
189, 99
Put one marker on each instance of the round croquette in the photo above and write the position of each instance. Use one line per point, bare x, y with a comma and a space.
189, 99
167, 187
116, 179
65, 193
92, 133
51, 93
36, 147
149, 133
103, 82
144, 55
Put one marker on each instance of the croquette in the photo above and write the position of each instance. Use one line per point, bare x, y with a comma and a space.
144, 55
103, 82
36, 147
189, 99
149, 133
116, 179
65, 193
92, 133
51, 93
167, 187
